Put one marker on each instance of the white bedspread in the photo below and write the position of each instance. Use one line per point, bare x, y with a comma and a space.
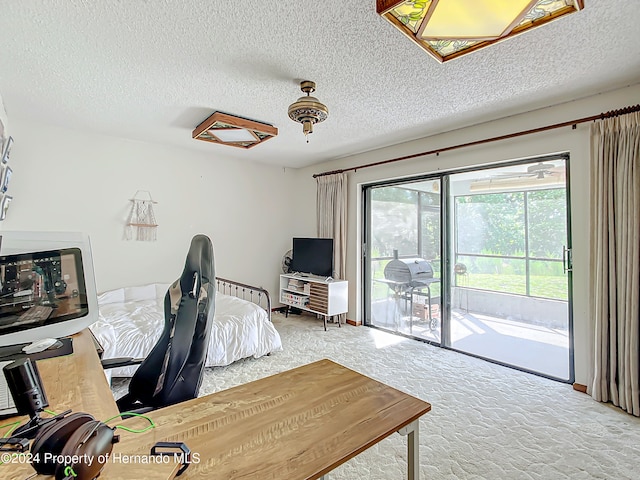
131, 320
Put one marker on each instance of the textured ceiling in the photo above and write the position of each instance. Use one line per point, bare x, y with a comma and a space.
154, 69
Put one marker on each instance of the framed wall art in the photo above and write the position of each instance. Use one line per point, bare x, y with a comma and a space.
7, 150
5, 176
5, 200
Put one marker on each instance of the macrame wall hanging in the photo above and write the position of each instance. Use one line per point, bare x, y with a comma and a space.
141, 224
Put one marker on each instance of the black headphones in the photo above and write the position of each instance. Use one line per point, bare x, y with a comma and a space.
75, 447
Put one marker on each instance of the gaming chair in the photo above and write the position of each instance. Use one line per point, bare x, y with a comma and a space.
172, 372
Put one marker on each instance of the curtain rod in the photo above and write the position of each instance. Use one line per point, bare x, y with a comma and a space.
437, 151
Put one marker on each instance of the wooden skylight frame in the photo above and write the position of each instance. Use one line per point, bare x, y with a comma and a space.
219, 125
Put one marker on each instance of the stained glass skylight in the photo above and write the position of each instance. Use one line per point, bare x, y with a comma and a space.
447, 29
227, 129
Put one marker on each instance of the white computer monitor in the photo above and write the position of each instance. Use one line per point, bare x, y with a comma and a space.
47, 285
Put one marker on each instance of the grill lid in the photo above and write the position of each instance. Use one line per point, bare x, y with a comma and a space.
411, 271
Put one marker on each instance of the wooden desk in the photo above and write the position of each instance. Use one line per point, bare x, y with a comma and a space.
299, 424
77, 382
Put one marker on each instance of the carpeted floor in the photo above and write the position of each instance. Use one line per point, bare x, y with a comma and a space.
486, 422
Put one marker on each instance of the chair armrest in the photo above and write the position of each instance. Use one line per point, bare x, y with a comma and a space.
120, 362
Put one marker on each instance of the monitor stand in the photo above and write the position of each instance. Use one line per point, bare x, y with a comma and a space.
33, 426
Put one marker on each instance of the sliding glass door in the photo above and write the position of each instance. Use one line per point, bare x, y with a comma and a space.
404, 258
477, 261
510, 248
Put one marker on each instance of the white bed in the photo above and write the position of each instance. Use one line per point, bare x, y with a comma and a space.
131, 320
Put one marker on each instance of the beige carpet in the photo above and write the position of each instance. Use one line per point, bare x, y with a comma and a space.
487, 421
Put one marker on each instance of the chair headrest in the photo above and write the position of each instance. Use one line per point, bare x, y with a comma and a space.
200, 260
198, 276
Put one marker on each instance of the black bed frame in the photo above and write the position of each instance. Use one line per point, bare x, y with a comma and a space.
257, 295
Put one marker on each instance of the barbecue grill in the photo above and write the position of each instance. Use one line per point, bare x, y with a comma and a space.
406, 277
410, 272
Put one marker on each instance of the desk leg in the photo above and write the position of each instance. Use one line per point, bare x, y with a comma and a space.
413, 448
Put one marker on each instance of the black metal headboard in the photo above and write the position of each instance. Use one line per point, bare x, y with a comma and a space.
250, 293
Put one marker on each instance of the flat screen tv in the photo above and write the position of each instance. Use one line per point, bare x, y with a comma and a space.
313, 256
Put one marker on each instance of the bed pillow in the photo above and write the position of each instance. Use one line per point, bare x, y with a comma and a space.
111, 296
135, 294
161, 289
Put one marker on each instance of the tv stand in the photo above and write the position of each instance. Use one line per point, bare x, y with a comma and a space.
312, 276
320, 295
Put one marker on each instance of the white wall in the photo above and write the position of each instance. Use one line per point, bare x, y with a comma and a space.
576, 142
69, 181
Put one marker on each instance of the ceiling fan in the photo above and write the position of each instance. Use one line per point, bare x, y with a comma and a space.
535, 176
537, 170
540, 170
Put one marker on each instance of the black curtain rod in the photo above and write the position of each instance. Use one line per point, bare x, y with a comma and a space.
573, 123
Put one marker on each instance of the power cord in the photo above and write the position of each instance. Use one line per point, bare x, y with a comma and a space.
13, 426
132, 430
8, 433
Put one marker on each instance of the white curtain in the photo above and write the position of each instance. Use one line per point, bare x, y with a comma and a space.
331, 213
615, 260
